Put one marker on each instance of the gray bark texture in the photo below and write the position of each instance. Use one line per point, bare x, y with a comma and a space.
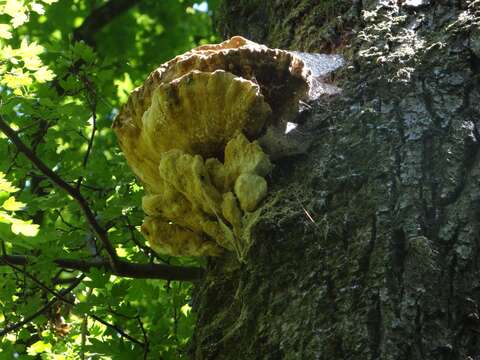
368, 245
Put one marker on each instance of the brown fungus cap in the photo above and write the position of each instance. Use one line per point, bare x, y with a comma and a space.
281, 75
188, 134
197, 113
200, 111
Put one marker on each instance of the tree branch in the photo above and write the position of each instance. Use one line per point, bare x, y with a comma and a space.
90, 141
124, 269
44, 308
73, 192
61, 297
117, 329
91, 97
33, 278
146, 348
100, 17
114, 264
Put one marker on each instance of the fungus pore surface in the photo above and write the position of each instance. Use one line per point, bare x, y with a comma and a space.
189, 132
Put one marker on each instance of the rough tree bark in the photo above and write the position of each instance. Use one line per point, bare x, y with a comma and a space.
368, 247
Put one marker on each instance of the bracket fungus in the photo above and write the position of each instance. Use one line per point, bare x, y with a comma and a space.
189, 136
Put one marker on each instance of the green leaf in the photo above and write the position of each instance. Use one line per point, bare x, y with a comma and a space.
16, 79
28, 50
98, 279
83, 51
25, 228
185, 309
82, 308
13, 205
38, 8
39, 347
43, 74
5, 32
13, 7
5, 185
19, 19
5, 218
71, 83
119, 290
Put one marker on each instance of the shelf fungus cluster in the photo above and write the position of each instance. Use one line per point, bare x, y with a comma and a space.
189, 135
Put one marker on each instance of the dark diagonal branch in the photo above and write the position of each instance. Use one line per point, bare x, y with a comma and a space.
117, 329
42, 310
73, 192
125, 269
33, 278
100, 17
61, 297
114, 264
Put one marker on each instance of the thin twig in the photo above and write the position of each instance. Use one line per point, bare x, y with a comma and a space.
145, 338
61, 297
35, 280
152, 254
59, 213
93, 107
44, 308
12, 163
119, 314
114, 264
117, 329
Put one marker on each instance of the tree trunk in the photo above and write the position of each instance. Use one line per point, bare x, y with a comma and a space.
368, 245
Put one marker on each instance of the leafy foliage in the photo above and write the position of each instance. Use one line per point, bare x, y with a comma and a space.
65, 68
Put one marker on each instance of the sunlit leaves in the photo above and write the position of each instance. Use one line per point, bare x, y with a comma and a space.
25, 66
185, 309
25, 228
32, 63
39, 347
43, 74
16, 79
51, 88
37, 7
19, 19
19, 10
6, 185
5, 32
19, 226
9, 206
124, 87
13, 205
13, 7
24, 63
28, 50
